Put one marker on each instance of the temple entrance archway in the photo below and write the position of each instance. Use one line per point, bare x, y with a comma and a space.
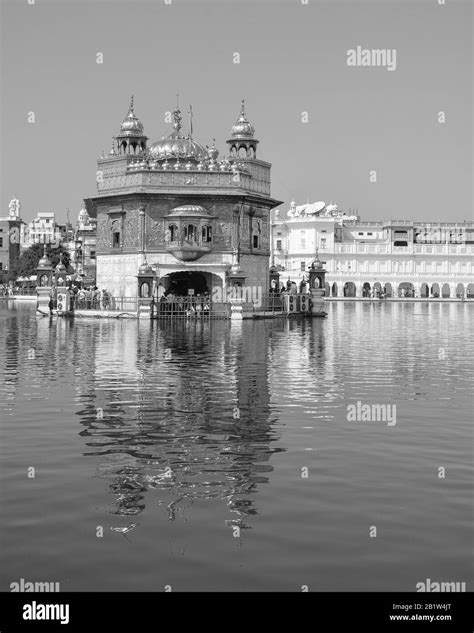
424, 290
445, 291
180, 283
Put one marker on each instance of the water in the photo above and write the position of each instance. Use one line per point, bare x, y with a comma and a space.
102, 408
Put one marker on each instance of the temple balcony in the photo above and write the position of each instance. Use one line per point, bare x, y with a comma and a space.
188, 250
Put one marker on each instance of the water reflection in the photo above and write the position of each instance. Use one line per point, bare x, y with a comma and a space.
176, 413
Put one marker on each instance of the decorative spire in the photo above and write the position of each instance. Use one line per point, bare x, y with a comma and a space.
131, 125
242, 128
190, 121
177, 120
112, 150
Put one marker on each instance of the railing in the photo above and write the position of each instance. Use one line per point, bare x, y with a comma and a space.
17, 292
190, 308
417, 249
272, 302
107, 303
361, 248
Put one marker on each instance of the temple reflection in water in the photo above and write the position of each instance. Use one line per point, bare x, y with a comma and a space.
175, 412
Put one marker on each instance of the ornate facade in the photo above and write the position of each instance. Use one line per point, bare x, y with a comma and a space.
174, 205
402, 257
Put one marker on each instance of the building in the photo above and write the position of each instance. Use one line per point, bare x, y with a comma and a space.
43, 230
11, 227
402, 257
199, 220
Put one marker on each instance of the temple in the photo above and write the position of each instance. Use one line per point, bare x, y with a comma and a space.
178, 209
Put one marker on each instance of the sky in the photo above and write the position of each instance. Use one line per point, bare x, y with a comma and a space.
293, 60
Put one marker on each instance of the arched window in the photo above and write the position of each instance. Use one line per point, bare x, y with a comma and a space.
173, 232
190, 233
206, 234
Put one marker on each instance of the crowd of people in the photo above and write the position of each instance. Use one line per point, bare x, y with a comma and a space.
11, 291
92, 298
88, 298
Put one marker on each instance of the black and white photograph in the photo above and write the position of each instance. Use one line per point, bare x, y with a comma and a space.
236, 316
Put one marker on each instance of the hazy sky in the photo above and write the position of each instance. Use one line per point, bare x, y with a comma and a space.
293, 59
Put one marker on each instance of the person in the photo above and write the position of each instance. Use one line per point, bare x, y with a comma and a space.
51, 305
105, 299
96, 297
162, 305
81, 298
88, 294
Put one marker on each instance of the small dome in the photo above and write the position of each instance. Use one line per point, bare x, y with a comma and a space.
242, 129
131, 126
83, 216
145, 269
189, 210
44, 262
213, 152
60, 268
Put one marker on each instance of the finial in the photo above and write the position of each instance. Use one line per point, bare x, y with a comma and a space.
242, 109
177, 120
190, 121
112, 151
131, 104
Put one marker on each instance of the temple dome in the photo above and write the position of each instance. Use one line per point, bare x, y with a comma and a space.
131, 125
242, 128
175, 146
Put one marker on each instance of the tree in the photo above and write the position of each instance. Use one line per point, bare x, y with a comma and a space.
27, 264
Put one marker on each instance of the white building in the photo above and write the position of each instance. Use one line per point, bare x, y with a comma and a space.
42, 229
401, 257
